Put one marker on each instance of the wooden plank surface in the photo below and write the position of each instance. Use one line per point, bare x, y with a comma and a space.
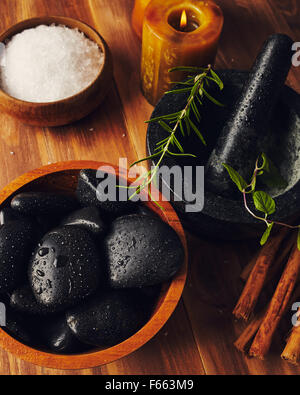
198, 338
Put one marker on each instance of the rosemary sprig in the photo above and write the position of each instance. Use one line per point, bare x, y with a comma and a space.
263, 202
197, 85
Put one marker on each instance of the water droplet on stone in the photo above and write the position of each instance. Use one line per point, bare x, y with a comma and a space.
40, 291
43, 251
40, 273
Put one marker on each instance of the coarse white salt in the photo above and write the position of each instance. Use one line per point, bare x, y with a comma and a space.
49, 63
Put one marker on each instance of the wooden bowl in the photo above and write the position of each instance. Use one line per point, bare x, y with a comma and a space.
63, 177
73, 108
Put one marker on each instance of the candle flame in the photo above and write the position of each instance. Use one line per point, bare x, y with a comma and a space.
183, 21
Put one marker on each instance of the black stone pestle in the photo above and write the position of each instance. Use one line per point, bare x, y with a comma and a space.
240, 141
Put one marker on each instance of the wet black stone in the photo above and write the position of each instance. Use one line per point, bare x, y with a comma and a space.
107, 319
23, 300
9, 215
57, 336
17, 239
14, 323
89, 196
88, 218
43, 203
142, 251
70, 272
17, 329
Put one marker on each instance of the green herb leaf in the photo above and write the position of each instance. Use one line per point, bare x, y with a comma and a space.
164, 117
183, 90
266, 235
163, 141
199, 101
176, 154
271, 176
145, 159
266, 163
165, 126
177, 143
181, 128
264, 202
197, 131
236, 178
217, 79
189, 82
188, 126
298, 239
153, 200
196, 112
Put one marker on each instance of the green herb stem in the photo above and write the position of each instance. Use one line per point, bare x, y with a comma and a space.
262, 201
181, 120
264, 219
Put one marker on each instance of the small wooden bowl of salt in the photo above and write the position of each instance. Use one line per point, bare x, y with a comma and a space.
53, 71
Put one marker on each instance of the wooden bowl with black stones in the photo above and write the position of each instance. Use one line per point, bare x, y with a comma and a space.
63, 177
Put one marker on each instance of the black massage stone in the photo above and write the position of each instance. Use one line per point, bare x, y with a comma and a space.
134, 248
43, 203
17, 238
65, 268
108, 319
89, 194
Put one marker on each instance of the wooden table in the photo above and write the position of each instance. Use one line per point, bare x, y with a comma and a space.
198, 338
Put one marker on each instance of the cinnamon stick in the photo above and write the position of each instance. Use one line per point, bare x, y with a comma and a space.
243, 343
257, 278
278, 305
283, 254
291, 353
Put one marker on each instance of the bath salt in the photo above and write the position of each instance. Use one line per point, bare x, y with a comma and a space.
49, 63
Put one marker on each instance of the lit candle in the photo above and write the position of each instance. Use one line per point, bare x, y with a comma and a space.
177, 33
138, 16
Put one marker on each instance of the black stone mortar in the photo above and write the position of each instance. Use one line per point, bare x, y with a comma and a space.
226, 217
